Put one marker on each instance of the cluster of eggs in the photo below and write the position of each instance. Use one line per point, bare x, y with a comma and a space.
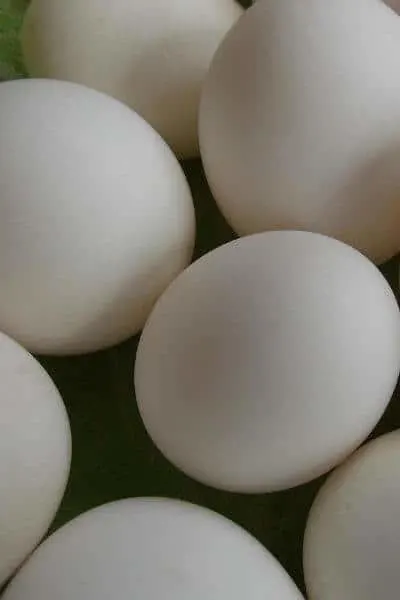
262, 365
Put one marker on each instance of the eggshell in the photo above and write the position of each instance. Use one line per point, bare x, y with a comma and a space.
151, 549
268, 361
151, 55
35, 453
96, 217
352, 541
300, 122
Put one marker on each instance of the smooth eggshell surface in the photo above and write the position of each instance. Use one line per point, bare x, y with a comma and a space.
96, 217
352, 541
152, 549
268, 360
35, 453
152, 55
300, 122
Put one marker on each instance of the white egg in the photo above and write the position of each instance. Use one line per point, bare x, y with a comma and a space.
268, 361
151, 55
96, 217
300, 122
352, 541
35, 453
152, 548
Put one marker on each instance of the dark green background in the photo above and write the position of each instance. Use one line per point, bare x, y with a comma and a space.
112, 455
